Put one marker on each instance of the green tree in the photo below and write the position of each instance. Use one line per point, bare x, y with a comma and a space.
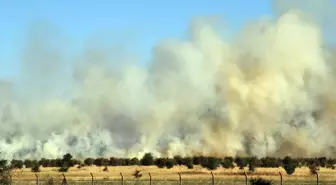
67, 157
89, 161
179, 160
289, 165
170, 163
28, 163
17, 163
241, 162
125, 161
59, 162
67, 160
213, 163
270, 162
147, 160
196, 160
3, 163
322, 161
204, 161
101, 161
253, 162
44, 162
134, 161
227, 162
115, 161
331, 163
35, 168
160, 162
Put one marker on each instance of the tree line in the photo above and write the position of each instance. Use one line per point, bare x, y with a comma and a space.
211, 163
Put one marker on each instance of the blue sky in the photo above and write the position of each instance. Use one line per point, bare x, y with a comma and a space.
146, 21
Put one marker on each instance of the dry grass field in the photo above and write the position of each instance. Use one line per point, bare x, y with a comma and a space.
193, 176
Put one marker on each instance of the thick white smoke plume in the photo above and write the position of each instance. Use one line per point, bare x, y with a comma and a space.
269, 92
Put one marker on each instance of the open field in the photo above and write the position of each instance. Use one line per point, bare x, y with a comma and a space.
198, 175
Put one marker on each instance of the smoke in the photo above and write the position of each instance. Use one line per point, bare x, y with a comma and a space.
268, 92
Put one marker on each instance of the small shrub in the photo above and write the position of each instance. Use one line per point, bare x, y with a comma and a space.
260, 181
190, 165
64, 169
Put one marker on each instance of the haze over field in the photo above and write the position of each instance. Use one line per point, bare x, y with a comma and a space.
270, 91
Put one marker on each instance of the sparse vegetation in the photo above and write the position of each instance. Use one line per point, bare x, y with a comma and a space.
211, 163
